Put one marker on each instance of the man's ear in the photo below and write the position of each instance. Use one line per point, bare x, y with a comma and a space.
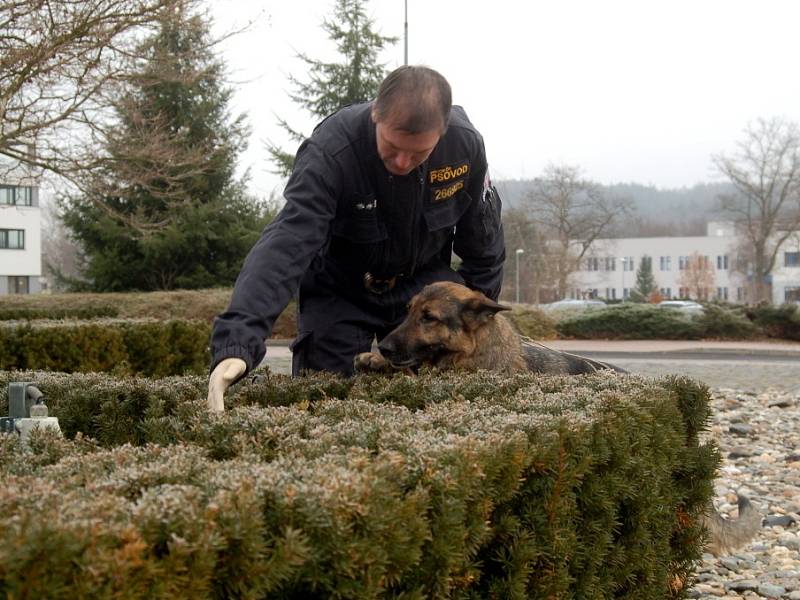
479, 309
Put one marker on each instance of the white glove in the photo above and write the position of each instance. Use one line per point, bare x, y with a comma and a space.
223, 375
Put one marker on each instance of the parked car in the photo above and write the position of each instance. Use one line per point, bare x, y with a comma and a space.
575, 305
687, 306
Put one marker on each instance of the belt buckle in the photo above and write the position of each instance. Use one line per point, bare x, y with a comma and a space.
378, 286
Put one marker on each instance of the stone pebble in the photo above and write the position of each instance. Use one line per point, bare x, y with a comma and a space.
758, 433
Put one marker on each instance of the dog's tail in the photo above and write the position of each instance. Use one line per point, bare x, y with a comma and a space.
597, 365
726, 535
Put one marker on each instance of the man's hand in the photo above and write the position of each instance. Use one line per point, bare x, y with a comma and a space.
223, 375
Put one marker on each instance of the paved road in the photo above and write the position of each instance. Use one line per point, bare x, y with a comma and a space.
752, 366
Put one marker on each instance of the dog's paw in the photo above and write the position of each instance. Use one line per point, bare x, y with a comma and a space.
370, 362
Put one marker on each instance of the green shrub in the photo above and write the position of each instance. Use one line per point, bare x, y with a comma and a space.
632, 321
201, 305
532, 322
86, 312
726, 322
147, 347
777, 321
490, 486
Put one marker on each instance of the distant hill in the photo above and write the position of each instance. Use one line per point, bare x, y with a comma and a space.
682, 211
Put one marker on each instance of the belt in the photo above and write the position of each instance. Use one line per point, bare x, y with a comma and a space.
379, 286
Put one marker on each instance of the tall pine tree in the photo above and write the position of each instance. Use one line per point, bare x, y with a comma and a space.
332, 85
645, 281
163, 210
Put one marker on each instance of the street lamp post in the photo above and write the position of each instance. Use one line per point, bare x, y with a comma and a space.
405, 35
516, 275
624, 263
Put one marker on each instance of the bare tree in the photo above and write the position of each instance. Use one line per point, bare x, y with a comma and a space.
56, 57
574, 212
536, 274
698, 276
765, 170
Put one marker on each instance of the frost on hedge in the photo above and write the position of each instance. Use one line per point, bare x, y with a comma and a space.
442, 485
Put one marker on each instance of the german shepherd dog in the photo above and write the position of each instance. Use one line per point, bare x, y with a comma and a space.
449, 326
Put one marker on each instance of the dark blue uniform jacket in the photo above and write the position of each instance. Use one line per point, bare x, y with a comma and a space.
346, 215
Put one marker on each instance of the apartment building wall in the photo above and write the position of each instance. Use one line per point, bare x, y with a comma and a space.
609, 269
20, 235
786, 274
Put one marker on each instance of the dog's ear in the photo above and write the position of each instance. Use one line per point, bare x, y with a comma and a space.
479, 309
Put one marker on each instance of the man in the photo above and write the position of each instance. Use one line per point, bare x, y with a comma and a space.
379, 197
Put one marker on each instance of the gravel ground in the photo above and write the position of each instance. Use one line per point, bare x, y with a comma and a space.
751, 375
759, 437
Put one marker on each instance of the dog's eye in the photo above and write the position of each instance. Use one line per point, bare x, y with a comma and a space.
428, 318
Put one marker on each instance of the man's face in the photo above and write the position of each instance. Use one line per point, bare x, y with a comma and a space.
400, 151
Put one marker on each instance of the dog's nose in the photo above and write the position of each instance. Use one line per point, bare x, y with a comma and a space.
387, 347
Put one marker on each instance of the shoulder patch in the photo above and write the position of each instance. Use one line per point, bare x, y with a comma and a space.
440, 194
448, 173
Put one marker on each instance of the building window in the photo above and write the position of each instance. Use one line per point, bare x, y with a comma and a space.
18, 196
666, 292
791, 259
791, 294
611, 263
666, 263
722, 293
741, 296
722, 262
626, 293
682, 262
12, 239
18, 285
611, 293
592, 263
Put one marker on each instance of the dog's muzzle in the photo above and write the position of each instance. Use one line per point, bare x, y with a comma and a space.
378, 286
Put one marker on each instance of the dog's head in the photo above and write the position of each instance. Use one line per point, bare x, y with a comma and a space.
442, 323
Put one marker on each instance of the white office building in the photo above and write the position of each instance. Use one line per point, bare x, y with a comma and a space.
609, 268
20, 232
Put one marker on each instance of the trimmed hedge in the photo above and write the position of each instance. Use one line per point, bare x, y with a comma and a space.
777, 321
448, 485
141, 346
532, 322
86, 312
727, 322
202, 305
631, 321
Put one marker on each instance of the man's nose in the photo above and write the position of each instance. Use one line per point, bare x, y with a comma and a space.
403, 161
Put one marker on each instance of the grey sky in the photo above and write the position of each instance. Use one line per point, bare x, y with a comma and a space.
630, 90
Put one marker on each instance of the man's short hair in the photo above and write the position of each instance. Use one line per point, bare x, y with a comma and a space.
418, 96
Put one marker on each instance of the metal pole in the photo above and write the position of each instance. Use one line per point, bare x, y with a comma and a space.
516, 275
405, 37
624, 262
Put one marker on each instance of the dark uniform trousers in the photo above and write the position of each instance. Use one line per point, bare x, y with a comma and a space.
334, 325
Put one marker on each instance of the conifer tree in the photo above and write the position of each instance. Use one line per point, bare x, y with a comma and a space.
332, 85
164, 210
645, 281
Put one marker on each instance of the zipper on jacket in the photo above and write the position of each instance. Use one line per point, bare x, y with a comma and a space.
416, 221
